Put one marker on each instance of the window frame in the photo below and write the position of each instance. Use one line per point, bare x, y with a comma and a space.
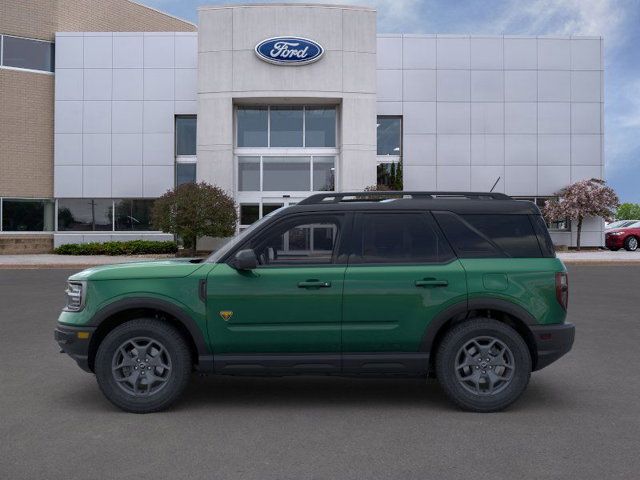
21, 69
357, 233
304, 123
339, 257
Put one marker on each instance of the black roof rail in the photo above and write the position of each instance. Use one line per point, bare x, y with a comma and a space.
337, 197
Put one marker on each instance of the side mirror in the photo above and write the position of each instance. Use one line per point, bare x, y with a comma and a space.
245, 260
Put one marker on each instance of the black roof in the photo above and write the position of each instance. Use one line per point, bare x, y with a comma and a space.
457, 202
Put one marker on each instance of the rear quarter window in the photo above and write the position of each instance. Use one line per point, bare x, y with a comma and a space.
490, 235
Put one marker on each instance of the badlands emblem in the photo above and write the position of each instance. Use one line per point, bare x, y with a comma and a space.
226, 314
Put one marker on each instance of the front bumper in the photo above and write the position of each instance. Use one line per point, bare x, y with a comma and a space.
614, 241
75, 341
552, 342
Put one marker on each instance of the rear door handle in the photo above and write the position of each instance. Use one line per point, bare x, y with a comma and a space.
314, 284
431, 282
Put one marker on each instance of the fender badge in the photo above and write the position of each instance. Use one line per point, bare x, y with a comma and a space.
226, 314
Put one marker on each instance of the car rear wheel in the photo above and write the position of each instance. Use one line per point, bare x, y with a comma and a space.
483, 365
143, 365
631, 244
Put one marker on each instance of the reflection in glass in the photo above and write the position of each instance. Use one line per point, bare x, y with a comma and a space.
26, 53
186, 131
185, 173
252, 126
320, 127
133, 215
389, 132
248, 174
286, 127
267, 208
249, 214
286, 173
85, 214
324, 174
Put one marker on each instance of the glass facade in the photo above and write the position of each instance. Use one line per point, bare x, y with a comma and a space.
133, 214
26, 53
286, 173
85, 214
253, 126
27, 215
186, 145
286, 127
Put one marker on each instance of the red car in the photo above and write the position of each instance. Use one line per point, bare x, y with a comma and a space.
627, 237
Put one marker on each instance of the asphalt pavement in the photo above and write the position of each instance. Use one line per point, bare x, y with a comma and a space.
579, 419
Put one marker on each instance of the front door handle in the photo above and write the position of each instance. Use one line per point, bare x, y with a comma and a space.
314, 284
431, 282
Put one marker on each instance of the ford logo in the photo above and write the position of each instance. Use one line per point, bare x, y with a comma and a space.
289, 50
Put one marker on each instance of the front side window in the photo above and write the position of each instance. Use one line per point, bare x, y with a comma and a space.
133, 215
26, 215
27, 53
308, 240
399, 238
85, 214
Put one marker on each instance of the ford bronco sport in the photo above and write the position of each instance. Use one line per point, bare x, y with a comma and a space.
465, 287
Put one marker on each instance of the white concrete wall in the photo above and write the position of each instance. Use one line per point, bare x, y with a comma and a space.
526, 109
230, 71
116, 95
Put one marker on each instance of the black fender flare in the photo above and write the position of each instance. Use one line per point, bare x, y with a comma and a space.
464, 307
205, 358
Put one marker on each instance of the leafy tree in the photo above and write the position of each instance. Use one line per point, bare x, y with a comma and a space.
586, 198
194, 210
628, 211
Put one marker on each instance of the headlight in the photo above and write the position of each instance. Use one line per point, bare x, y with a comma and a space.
75, 296
616, 233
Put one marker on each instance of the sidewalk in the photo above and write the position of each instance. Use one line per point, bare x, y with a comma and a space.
599, 257
71, 261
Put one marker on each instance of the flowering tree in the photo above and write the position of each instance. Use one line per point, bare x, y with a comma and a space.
194, 210
586, 198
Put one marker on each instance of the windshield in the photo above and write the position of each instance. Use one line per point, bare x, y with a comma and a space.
233, 242
621, 224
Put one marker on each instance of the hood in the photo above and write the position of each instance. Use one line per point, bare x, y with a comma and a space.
140, 270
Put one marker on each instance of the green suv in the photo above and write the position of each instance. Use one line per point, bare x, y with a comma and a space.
465, 287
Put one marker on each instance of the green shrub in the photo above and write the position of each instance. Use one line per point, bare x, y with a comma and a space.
133, 247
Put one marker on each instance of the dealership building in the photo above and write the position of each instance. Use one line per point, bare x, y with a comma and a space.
106, 107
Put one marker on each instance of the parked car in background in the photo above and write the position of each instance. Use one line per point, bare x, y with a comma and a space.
627, 237
619, 224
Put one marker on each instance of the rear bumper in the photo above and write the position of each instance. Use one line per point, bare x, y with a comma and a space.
74, 345
552, 342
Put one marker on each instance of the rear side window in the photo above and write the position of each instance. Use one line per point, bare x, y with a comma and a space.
513, 234
466, 240
544, 239
399, 238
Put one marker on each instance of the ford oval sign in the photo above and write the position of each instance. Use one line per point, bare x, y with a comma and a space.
289, 50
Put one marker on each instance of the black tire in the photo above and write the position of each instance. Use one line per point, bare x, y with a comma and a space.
631, 243
449, 355
170, 349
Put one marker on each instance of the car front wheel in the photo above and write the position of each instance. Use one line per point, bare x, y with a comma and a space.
483, 365
631, 244
143, 365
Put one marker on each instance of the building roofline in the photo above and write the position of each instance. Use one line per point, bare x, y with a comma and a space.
194, 25
284, 4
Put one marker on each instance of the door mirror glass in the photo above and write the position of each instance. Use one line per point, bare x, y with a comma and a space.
245, 260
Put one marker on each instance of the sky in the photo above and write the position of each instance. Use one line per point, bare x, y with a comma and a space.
618, 21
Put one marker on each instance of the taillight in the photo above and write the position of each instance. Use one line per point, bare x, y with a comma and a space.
562, 289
